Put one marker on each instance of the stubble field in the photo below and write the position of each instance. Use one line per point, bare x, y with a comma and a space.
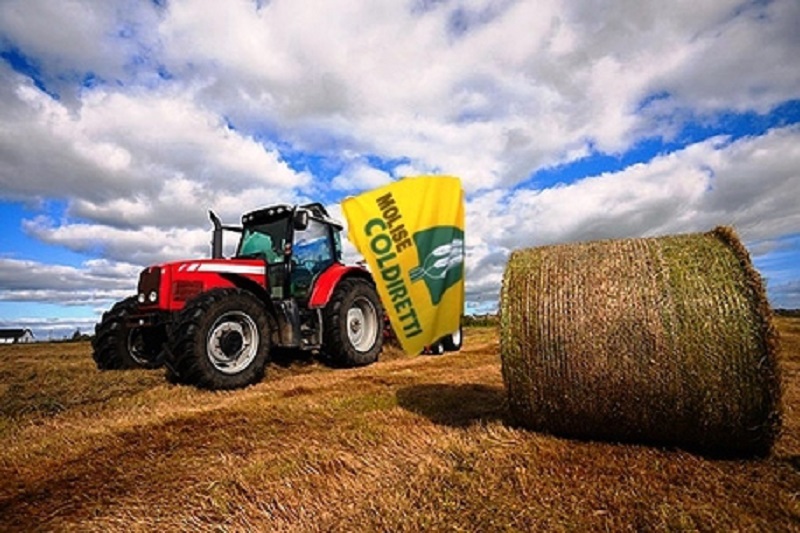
407, 444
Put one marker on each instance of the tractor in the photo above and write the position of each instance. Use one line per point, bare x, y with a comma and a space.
213, 322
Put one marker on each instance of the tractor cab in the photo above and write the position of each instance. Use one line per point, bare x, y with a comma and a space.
297, 243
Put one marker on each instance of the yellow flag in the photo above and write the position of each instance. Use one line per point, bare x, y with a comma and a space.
411, 233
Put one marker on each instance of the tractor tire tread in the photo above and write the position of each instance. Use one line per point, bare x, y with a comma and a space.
109, 344
185, 357
337, 347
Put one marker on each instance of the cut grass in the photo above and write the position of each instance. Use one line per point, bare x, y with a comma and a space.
407, 444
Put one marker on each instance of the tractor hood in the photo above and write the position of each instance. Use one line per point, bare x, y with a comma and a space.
169, 286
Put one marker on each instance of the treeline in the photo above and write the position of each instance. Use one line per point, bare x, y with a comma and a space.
75, 337
787, 312
481, 321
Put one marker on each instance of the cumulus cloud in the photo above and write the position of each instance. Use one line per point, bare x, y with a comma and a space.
133, 159
360, 176
142, 246
751, 184
429, 84
96, 283
140, 116
786, 295
71, 40
531, 84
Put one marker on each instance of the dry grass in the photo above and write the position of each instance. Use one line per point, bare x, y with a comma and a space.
408, 444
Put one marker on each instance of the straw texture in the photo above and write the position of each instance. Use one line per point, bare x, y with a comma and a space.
662, 340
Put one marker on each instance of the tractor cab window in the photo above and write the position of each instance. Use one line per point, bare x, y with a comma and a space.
264, 241
311, 254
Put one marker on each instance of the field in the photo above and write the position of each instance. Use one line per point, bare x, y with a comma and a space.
408, 444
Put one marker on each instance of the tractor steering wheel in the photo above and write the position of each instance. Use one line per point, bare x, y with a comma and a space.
309, 265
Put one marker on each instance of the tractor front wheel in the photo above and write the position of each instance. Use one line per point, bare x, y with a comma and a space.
117, 346
220, 341
353, 324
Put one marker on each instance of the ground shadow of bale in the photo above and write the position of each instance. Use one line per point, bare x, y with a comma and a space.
455, 405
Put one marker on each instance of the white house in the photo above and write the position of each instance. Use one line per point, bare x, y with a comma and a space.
14, 336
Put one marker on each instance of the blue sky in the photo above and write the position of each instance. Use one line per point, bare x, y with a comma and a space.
123, 122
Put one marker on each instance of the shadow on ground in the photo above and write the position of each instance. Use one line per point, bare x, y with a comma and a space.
288, 358
455, 405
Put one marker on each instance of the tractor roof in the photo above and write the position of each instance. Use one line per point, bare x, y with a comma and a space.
274, 212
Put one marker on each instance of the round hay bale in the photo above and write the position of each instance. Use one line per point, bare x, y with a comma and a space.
663, 340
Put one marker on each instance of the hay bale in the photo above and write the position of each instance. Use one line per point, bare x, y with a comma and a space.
661, 340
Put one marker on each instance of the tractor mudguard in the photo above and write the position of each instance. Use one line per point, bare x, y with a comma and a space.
329, 279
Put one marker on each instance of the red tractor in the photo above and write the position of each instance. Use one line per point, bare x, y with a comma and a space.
213, 322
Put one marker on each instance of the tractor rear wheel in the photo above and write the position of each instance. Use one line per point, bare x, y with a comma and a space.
117, 346
453, 341
353, 324
220, 341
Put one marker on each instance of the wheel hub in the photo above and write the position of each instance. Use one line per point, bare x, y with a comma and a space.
137, 347
362, 325
232, 342
355, 323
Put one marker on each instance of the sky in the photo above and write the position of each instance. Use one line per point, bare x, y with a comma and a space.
122, 122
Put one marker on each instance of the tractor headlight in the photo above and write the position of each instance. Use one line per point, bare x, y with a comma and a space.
141, 298
153, 296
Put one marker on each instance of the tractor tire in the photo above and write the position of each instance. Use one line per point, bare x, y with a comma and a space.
437, 348
453, 342
116, 346
220, 341
353, 324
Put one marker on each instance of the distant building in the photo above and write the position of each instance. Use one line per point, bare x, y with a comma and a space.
14, 336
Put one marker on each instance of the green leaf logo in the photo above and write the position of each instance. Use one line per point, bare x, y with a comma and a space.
441, 259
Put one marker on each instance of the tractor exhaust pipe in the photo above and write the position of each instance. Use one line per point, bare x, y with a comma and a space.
216, 236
